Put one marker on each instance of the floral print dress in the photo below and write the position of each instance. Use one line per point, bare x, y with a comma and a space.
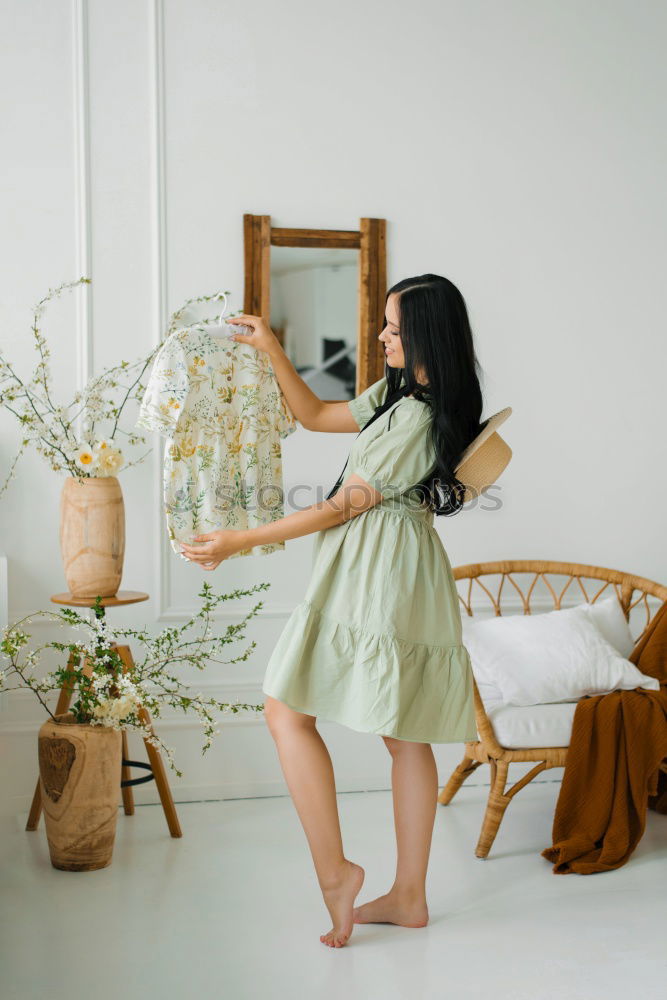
219, 405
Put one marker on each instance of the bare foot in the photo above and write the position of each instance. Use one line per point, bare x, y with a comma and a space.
339, 899
393, 908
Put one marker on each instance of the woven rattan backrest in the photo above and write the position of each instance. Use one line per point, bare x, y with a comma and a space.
525, 586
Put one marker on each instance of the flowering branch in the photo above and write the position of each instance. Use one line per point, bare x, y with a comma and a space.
106, 691
51, 428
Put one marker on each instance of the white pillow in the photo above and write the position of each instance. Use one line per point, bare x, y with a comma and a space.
557, 656
609, 618
607, 614
488, 689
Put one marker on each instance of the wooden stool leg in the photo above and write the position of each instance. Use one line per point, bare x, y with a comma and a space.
160, 775
155, 759
125, 775
64, 699
35, 809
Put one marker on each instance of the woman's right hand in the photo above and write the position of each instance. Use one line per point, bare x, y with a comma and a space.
262, 336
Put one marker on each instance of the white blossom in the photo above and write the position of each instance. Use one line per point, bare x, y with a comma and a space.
84, 457
103, 444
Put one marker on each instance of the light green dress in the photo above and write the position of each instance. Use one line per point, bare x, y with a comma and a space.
376, 642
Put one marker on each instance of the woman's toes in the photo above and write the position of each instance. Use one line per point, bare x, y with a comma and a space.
334, 940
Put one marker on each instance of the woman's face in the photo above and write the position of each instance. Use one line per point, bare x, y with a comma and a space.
391, 341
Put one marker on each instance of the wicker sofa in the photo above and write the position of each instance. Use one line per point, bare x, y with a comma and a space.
522, 584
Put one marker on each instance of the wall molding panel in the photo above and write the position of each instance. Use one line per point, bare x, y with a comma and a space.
83, 207
160, 277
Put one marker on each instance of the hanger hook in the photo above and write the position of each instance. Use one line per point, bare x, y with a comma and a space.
224, 310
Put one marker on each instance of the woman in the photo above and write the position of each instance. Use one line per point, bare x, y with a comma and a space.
376, 643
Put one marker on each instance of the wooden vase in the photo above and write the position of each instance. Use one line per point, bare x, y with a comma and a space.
79, 776
92, 535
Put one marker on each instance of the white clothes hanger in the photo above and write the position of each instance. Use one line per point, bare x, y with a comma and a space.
225, 329
224, 309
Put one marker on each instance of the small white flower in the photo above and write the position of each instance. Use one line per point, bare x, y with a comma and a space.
85, 458
104, 444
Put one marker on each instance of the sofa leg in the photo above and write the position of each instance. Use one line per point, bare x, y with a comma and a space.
495, 808
459, 775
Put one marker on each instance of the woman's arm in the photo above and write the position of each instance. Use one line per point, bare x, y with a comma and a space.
353, 498
311, 412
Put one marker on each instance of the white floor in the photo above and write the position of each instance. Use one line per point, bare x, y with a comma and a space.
232, 910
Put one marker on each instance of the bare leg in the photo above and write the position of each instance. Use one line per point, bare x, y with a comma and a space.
308, 771
414, 781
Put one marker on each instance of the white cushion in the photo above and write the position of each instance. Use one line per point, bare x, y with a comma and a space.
553, 657
522, 728
488, 689
607, 615
609, 618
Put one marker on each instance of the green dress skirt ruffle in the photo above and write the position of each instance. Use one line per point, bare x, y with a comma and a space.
375, 644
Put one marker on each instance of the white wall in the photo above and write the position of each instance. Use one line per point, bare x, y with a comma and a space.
518, 148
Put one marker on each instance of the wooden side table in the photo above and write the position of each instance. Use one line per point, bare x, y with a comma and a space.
156, 764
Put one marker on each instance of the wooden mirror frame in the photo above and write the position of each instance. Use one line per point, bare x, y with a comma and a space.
370, 239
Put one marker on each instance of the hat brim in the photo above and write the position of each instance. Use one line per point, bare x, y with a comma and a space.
491, 427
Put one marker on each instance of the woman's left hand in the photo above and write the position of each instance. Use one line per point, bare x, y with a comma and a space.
213, 548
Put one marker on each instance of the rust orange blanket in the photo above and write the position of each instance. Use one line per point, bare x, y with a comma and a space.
612, 770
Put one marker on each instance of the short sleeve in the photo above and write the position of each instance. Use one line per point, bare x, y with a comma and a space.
363, 406
285, 421
397, 454
167, 389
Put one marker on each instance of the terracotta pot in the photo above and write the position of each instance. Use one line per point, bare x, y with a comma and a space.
79, 777
92, 535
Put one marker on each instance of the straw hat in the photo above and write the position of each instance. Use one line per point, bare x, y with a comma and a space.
485, 457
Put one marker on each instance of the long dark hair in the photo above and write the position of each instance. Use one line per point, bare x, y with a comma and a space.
437, 339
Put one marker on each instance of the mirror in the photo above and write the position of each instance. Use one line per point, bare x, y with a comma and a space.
323, 293
314, 315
